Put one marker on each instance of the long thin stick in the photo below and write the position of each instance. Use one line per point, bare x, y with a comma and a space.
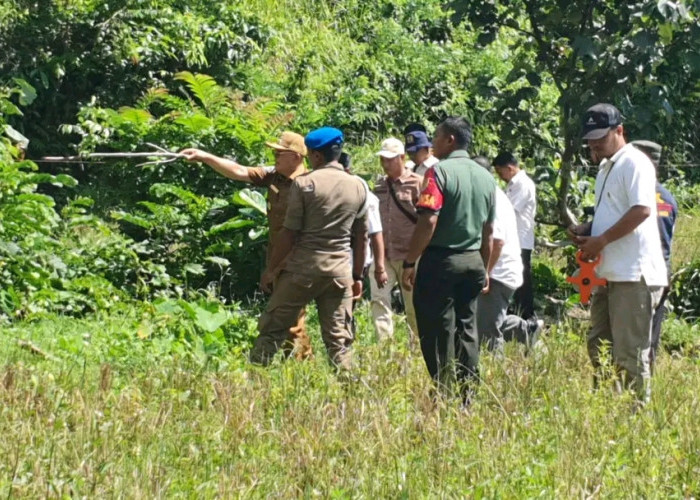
113, 155
159, 153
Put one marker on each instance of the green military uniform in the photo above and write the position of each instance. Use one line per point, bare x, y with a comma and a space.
324, 208
451, 273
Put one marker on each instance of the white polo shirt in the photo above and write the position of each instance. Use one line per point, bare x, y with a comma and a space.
429, 163
509, 267
521, 193
374, 223
626, 180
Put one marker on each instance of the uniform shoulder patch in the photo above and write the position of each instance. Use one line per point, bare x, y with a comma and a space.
431, 197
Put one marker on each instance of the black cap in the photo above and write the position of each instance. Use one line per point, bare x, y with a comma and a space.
599, 120
414, 127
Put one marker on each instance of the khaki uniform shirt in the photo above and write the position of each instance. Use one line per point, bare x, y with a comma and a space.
277, 197
397, 229
324, 207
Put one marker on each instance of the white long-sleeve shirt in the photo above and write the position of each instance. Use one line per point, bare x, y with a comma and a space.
521, 193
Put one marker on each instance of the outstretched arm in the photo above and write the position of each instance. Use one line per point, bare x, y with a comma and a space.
227, 168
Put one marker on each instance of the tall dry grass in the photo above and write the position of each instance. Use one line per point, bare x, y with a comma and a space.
120, 417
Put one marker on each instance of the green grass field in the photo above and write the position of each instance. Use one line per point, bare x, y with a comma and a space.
101, 412
104, 407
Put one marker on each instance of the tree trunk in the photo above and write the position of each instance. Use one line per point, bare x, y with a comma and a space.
570, 145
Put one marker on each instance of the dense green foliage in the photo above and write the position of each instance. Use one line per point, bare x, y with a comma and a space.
85, 51
82, 76
641, 55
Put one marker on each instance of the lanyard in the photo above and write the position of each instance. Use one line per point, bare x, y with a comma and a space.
602, 190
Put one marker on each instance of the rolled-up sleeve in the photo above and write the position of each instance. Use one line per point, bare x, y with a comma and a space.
360, 225
431, 198
492, 207
261, 176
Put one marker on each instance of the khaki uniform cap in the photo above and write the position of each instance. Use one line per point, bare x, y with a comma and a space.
289, 141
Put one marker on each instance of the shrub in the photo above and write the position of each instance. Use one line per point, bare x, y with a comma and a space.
681, 336
685, 291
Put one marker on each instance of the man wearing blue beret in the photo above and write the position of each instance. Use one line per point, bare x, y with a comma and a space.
326, 208
290, 152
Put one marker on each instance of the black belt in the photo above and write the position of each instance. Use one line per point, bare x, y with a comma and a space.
448, 250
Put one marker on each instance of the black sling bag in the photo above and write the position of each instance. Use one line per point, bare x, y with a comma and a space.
408, 214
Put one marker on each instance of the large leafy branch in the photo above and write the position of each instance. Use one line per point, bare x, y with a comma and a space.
592, 51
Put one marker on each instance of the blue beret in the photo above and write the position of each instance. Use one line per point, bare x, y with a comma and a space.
323, 137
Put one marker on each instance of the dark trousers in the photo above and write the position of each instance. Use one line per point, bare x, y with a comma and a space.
659, 315
448, 283
524, 296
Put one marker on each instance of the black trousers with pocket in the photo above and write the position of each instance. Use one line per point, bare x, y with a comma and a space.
524, 296
448, 282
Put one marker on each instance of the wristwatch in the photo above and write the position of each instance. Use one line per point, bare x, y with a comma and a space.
408, 265
357, 277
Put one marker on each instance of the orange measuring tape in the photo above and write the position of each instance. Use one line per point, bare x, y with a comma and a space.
585, 278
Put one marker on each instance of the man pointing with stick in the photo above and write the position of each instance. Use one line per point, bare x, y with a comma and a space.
290, 152
325, 225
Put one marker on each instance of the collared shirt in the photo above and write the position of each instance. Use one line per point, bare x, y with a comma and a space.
463, 195
628, 179
509, 266
521, 193
324, 207
429, 162
374, 224
278, 187
397, 228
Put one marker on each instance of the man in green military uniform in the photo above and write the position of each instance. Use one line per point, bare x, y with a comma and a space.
325, 208
454, 235
290, 152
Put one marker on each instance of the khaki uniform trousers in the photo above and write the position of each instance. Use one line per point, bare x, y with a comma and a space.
293, 291
300, 345
621, 315
382, 314
300, 342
